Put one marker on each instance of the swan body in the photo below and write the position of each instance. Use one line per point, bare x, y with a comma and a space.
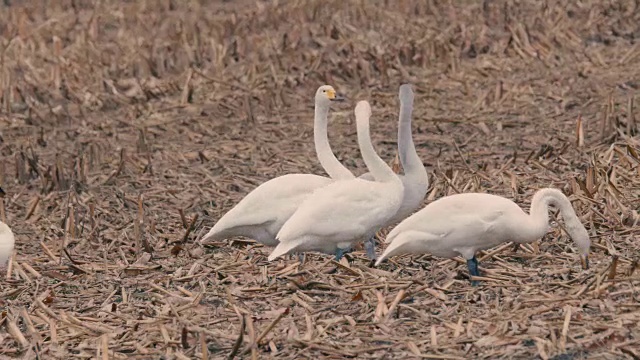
345, 211
415, 179
462, 224
7, 241
261, 213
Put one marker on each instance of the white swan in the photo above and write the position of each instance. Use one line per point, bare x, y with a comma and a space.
415, 178
261, 213
462, 224
346, 211
7, 241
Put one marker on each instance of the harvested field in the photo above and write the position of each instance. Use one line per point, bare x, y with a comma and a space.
129, 127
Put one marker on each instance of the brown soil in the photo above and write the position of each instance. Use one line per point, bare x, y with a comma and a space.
124, 123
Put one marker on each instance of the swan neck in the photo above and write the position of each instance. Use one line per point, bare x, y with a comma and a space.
379, 169
409, 158
325, 155
540, 213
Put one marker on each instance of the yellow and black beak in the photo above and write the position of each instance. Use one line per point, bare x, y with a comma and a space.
334, 97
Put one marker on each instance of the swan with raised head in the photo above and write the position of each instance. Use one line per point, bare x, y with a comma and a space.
415, 178
462, 224
7, 240
261, 213
334, 217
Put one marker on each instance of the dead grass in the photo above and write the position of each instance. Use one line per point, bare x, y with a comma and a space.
128, 128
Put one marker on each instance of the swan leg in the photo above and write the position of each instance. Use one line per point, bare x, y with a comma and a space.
299, 256
340, 253
370, 246
472, 264
584, 259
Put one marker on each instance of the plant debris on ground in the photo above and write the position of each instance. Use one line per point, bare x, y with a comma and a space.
127, 128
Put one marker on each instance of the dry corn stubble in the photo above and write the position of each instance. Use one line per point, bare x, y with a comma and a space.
127, 129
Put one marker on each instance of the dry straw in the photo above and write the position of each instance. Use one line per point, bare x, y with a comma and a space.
128, 128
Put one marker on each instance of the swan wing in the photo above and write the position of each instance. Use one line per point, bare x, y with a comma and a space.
276, 199
463, 234
458, 215
345, 210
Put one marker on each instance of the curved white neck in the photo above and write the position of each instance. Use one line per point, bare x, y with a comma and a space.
409, 158
327, 159
539, 217
377, 167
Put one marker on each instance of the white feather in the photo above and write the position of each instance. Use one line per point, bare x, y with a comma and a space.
415, 179
463, 224
346, 211
7, 241
261, 213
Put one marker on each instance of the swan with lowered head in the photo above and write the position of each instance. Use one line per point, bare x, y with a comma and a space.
462, 224
261, 213
346, 211
415, 178
7, 241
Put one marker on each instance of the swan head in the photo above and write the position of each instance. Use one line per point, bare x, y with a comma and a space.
406, 92
327, 94
363, 110
581, 237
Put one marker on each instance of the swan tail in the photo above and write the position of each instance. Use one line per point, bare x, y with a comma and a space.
223, 228
229, 224
215, 235
220, 230
392, 234
282, 249
409, 242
